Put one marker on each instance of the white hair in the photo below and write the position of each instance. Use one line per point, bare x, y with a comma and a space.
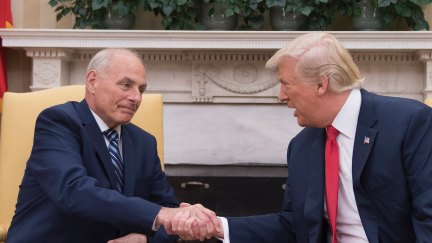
101, 60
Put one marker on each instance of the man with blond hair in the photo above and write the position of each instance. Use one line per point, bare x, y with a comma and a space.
360, 170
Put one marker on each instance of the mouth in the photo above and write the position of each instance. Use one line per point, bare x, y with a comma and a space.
134, 107
129, 109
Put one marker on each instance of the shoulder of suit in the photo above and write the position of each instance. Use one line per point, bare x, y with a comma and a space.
399, 104
308, 133
66, 107
135, 130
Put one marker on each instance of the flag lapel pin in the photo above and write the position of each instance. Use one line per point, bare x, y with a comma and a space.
366, 140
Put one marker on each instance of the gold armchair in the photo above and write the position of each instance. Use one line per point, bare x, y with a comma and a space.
17, 129
428, 102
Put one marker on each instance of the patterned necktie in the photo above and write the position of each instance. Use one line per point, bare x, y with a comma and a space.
113, 148
332, 178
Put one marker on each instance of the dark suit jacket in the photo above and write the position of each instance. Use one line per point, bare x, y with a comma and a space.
68, 190
392, 179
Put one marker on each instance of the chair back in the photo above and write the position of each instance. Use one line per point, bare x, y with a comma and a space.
428, 102
20, 111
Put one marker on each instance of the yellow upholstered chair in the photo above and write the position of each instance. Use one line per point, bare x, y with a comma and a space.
428, 102
20, 111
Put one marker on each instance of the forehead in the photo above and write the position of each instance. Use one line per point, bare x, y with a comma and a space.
287, 68
126, 64
127, 60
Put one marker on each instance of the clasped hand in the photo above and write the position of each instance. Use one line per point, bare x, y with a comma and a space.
190, 222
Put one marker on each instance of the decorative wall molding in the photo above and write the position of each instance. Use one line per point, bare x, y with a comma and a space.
51, 53
398, 57
50, 67
426, 57
214, 40
83, 56
221, 66
230, 80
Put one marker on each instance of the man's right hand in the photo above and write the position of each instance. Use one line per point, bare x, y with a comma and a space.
183, 226
189, 221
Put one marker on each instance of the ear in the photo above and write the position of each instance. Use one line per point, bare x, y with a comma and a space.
91, 79
323, 85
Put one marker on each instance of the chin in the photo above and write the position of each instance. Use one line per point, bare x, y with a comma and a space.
304, 123
125, 121
300, 122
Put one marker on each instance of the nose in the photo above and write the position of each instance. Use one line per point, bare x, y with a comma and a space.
135, 96
282, 95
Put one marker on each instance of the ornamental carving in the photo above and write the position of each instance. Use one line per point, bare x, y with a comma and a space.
384, 57
242, 78
426, 57
47, 72
199, 92
428, 76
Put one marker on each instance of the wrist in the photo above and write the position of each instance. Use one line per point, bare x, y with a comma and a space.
161, 217
219, 234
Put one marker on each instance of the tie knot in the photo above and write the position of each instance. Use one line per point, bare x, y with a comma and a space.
332, 132
111, 134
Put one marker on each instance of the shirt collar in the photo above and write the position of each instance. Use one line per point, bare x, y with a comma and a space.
102, 125
346, 120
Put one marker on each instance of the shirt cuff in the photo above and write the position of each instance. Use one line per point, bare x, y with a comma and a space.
154, 227
225, 228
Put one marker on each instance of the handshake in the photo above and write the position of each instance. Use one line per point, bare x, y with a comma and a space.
190, 222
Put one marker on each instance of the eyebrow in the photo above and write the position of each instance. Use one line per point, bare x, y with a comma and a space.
131, 81
126, 79
288, 79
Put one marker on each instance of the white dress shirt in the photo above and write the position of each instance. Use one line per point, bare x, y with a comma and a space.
103, 127
349, 226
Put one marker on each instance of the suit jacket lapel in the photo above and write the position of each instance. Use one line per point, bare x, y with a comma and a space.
129, 162
98, 142
314, 201
365, 136
363, 144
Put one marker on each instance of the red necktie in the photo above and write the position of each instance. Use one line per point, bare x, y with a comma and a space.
332, 178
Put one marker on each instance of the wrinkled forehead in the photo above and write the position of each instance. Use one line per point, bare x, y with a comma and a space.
287, 65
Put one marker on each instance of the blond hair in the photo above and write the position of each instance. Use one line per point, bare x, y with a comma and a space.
320, 54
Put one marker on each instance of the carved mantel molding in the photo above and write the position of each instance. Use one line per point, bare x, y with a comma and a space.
222, 66
213, 40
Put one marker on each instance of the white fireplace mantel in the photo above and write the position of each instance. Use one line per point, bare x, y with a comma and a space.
220, 66
210, 40
220, 103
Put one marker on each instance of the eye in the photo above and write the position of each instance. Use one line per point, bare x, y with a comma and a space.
285, 85
125, 85
288, 82
142, 89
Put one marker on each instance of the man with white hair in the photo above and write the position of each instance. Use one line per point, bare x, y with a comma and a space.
92, 176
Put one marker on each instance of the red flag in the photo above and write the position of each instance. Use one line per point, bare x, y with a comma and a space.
5, 22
